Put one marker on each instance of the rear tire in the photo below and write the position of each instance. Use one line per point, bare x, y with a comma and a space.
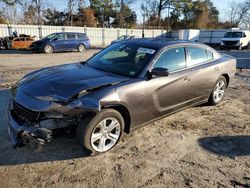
100, 133
81, 48
218, 91
48, 49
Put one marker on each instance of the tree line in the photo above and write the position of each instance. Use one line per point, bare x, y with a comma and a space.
161, 14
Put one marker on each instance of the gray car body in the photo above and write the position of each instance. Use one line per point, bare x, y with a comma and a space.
140, 100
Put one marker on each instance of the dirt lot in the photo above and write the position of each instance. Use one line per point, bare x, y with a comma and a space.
199, 147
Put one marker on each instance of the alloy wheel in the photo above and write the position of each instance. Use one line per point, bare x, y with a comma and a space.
105, 135
81, 48
219, 91
48, 49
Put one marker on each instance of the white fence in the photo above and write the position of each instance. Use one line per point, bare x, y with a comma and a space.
97, 36
102, 37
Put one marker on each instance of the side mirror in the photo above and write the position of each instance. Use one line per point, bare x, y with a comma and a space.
159, 72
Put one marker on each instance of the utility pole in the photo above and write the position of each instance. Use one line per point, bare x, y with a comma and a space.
143, 26
121, 16
103, 15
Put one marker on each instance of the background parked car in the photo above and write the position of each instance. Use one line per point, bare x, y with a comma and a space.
235, 39
23, 41
125, 37
64, 41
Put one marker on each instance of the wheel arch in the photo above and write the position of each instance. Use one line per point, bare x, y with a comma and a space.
226, 76
124, 112
81, 43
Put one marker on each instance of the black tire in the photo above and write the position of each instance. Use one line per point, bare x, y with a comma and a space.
88, 125
212, 100
48, 49
81, 48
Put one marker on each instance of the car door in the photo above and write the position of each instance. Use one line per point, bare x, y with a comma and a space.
72, 42
83, 39
167, 94
203, 73
58, 42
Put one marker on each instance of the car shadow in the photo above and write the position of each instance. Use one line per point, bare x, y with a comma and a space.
229, 146
15, 52
62, 147
26, 51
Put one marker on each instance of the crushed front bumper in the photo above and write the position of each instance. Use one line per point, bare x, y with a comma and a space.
21, 133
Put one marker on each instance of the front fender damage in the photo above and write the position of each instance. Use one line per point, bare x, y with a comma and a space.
39, 132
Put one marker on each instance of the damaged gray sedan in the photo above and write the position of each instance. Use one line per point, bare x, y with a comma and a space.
124, 86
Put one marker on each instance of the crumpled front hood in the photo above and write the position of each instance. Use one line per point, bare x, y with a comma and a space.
61, 83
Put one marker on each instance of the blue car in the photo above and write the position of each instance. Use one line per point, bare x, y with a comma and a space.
64, 41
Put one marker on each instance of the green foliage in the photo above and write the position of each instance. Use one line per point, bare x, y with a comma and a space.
185, 14
103, 10
54, 17
125, 18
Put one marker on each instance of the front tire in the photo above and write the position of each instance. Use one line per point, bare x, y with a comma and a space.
218, 91
102, 132
48, 49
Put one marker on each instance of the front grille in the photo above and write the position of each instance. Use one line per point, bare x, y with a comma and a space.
230, 43
25, 112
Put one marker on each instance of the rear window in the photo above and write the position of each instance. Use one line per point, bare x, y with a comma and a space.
199, 55
71, 36
81, 36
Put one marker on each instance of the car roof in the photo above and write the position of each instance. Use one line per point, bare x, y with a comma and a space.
159, 43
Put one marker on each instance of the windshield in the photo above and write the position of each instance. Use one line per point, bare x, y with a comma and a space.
233, 35
50, 36
123, 37
122, 59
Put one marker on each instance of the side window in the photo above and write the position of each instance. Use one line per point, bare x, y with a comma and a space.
80, 36
198, 55
60, 36
71, 36
172, 59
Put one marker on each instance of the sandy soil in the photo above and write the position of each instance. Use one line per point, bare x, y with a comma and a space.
200, 147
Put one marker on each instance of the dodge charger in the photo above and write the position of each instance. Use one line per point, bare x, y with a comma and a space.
124, 86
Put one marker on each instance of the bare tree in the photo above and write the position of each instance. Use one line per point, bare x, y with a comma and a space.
238, 14
13, 6
38, 6
71, 7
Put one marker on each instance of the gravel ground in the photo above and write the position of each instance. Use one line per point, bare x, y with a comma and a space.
199, 147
